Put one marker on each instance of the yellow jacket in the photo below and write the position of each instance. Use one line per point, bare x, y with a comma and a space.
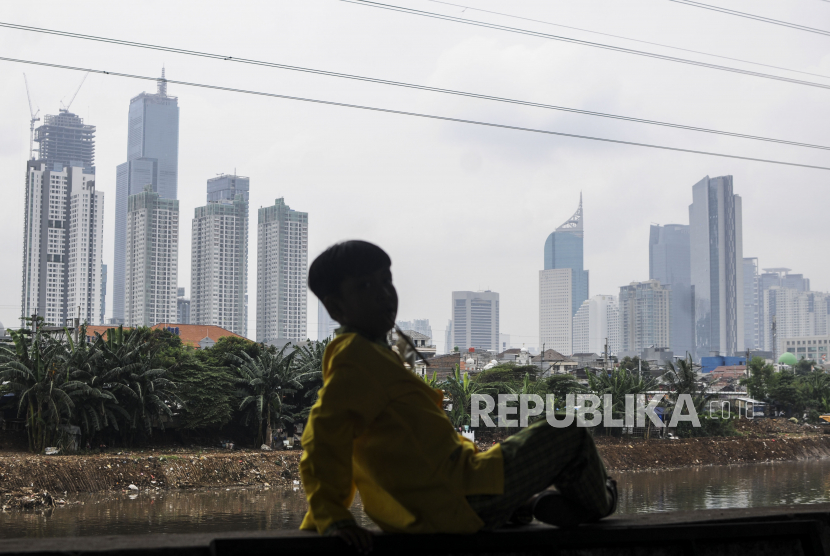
378, 428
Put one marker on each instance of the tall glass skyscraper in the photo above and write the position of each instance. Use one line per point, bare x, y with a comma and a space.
669, 262
716, 241
563, 249
152, 159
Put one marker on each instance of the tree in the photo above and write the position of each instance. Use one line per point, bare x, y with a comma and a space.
309, 361
562, 385
634, 364
760, 380
264, 383
682, 378
459, 388
619, 382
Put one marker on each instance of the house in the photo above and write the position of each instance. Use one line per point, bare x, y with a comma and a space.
552, 362
198, 336
442, 365
422, 342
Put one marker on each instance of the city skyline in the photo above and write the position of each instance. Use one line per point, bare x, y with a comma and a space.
324, 169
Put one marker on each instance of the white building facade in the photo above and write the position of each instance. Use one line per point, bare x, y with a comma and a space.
475, 320
63, 242
219, 264
325, 324
645, 317
555, 310
596, 322
795, 314
282, 270
152, 255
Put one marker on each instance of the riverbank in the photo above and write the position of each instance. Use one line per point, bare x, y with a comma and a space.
23, 475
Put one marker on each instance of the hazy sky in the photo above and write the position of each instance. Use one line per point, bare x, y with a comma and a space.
457, 206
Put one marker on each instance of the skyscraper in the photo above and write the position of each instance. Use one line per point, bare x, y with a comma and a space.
152, 159
717, 267
418, 325
669, 262
475, 318
219, 256
645, 317
797, 313
752, 304
182, 307
62, 246
282, 267
563, 249
771, 278
555, 314
152, 259
597, 321
102, 320
66, 141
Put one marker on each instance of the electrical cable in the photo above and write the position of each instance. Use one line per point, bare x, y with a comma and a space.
623, 50
410, 85
415, 114
753, 16
630, 39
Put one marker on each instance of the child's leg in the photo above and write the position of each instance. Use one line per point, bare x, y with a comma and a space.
541, 456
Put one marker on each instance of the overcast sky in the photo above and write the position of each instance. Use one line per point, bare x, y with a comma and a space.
458, 207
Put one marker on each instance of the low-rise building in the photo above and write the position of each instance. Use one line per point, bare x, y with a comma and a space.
812, 348
197, 336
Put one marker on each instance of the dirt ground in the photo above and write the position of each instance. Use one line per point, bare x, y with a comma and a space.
24, 477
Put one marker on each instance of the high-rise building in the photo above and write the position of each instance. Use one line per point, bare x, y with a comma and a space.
752, 303
325, 324
103, 319
62, 245
717, 267
420, 326
152, 159
219, 256
596, 322
504, 342
65, 140
794, 313
282, 267
475, 320
448, 345
564, 249
770, 278
669, 262
645, 317
152, 259
182, 307
555, 314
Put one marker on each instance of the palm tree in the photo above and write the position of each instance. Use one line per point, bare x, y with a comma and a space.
460, 389
619, 382
309, 363
682, 379
35, 371
264, 382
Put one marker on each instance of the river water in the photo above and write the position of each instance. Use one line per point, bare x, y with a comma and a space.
214, 511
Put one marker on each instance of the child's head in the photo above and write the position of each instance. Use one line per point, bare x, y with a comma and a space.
354, 281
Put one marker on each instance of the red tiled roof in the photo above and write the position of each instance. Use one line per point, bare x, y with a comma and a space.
190, 334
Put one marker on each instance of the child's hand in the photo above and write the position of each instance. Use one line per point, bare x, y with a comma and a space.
358, 537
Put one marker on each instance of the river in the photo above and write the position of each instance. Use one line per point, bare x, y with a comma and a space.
214, 511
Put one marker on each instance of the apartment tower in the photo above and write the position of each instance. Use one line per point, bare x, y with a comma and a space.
63, 241
152, 259
282, 268
645, 317
596, 323
219, 256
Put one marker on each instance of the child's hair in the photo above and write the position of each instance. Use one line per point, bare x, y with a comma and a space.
343, 260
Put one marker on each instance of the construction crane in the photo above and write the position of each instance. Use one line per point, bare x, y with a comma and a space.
66, 108
33, 119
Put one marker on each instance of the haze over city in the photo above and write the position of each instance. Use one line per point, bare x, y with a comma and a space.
457, 207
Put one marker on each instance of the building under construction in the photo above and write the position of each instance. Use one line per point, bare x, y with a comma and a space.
64, 139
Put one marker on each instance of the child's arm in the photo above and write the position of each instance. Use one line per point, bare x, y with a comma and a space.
349, 401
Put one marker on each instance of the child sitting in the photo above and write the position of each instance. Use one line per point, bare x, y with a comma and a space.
378, 428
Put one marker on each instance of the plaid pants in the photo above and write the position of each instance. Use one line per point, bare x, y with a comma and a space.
541, 456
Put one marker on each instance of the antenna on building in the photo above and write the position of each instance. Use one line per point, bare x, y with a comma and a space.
34, 118
162, 84
66, 108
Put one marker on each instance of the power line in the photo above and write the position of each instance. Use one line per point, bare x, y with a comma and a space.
630, 39
538, 34
755, 17
416, 114
407, 85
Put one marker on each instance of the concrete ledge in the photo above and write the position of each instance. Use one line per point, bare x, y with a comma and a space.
803, 529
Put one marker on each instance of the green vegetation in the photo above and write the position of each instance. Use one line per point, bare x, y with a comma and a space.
120, 389
804, 390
